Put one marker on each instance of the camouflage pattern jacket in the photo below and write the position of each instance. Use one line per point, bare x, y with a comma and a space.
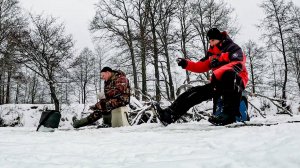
117, 92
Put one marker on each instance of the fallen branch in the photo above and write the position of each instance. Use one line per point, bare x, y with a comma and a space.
273, 100
260, 95
257, 109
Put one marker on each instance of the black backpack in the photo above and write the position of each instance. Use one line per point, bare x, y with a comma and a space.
49, 119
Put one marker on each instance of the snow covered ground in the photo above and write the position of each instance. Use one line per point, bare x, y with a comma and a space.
152, 145
188, 145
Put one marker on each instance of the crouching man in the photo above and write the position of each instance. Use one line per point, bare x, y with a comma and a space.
117, 94
229, 79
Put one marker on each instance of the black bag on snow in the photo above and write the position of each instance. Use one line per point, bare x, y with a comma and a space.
49, 119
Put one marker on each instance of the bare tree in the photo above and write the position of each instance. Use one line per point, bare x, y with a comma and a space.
45, 50
274, 73
255, 56
33, 88
141, 20
294, 57
186, 33
167, 38
277, 27
83, 71
11, 23
100, 60
155, 19
114, 17
294, 41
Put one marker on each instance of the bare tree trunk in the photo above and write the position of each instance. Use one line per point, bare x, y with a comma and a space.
298, 80
169, 82
53, 96
143, 9
134, 69
132, 55
100, 67
155, 56
164, 33
285, 62
274, 76
1, 90
17, 93
251, 70
7, 97
84, 93
66, 94
143, 57
144, 68
252, 77
33, 90
183, 28
166, 81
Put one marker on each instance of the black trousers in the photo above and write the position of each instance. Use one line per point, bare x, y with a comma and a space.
230, 87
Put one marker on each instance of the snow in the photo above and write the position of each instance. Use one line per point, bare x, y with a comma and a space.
194, 144
30, 114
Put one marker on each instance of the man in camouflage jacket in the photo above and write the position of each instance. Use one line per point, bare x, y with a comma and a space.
116, 94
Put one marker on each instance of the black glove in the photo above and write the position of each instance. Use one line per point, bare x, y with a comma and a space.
93, 108
181, 62
215, 63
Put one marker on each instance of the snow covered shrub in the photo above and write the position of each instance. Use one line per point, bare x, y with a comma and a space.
11, 118
264, 105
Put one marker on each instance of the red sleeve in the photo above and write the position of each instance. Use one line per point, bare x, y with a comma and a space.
201, 66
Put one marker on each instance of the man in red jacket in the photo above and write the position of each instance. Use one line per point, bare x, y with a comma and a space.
229, 79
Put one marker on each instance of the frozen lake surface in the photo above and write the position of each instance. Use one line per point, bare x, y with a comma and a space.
152, 145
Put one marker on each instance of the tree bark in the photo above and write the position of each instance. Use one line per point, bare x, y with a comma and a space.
17, 93
155, 57
1, 90
7, 97
53, 95
170, 80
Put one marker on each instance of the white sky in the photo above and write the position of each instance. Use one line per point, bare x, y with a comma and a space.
76, 14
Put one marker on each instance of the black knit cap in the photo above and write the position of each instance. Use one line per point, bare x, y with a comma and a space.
105, 69
214, 33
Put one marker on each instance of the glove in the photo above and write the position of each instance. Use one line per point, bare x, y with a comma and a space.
101, 105
101, 95
93, 108
215, 63
181, 62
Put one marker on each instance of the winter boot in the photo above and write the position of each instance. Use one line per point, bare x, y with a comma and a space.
103, 126
164, 115
221, 119
80, 123
106, 123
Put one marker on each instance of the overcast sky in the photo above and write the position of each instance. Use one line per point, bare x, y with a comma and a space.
76, 14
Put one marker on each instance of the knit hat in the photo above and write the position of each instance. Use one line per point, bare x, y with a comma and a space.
214, 33
105, 69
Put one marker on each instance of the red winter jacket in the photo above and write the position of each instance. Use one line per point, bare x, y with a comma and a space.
229, 55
